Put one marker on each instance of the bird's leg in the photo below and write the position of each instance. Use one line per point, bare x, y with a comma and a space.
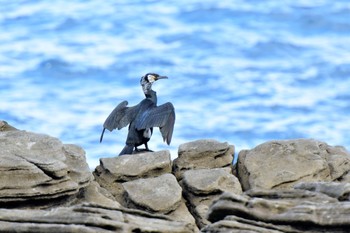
147, 149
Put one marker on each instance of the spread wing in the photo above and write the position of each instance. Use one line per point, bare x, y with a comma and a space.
162, 116
120, 117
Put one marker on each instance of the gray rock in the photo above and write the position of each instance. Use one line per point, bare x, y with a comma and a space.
341, 191
143, 165
202, 186
211, 181
235, 224
160, 194
95, 194
301, 210
281, 164
202, 154
113, 172
4, 126
88, 218
38, 170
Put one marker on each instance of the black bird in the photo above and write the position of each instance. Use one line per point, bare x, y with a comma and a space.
142, 117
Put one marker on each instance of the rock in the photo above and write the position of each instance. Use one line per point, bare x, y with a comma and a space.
341, 191
128, 167
202, 154
281, 164
235, 224
202, 186
95, 194
4, 126
39, 171
144, 181
161, 194
299, 210
113, 172
211, 181
88, 218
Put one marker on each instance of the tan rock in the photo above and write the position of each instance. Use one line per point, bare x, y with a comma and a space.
341, 191
38, 170
202, 186
88, 218
160, 194
128, 167
299, 210
211, 181
113, 172
281, 164
202, 154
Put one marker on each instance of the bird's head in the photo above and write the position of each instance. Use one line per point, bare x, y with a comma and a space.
151, 78
148, 79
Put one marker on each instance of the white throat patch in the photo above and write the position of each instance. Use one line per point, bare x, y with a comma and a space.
147, 133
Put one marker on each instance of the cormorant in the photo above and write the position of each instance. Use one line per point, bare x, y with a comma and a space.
143, 117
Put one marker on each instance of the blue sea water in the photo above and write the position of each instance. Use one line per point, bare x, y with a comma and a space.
239, 71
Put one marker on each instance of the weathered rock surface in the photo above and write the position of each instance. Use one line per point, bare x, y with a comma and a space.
113, 172
281, 164
200, 154
202, 186
341, 191
161, 194
39, 170
144, 181
88, 218
290, 186
285, 211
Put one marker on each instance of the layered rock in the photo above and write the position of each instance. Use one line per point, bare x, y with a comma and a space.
290, 186
144, 181
201, 154
281, 164
279, 211
88, 218
38, 170
202, 186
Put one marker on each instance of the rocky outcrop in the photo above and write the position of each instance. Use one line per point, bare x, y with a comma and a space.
144, 181
279, 211
88, 218
291, 186
38, 170
202, 186
279, 186
284, 163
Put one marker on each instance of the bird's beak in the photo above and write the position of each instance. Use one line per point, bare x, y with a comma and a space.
161, 77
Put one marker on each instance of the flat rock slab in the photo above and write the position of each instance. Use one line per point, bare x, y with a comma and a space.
39, 167
88, 218
161, 194
211, 181
283, 163
130, 167
200, 154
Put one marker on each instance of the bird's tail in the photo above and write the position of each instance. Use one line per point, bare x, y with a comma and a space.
128, 149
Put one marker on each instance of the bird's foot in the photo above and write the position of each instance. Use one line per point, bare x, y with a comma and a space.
142, 150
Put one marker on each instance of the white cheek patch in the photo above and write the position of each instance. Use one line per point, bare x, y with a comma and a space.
151, 78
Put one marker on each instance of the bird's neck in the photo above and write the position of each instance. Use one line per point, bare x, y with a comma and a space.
152, 95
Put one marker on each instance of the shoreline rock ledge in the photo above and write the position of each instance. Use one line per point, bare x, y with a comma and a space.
299, 185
